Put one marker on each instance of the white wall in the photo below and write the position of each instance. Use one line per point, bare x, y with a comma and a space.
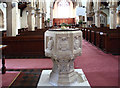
4, 12
80, 11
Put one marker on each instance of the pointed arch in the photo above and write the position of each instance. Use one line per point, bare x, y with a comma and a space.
1, 19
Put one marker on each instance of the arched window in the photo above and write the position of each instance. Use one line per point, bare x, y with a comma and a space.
63, 9
1, 19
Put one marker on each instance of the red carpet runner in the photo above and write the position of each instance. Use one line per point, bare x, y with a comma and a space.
100, 69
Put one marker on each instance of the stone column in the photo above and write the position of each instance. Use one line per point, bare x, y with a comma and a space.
31, 19
97, 18
36, 19
39, 26
89, 12
43, 20
118, 18
97, 13
31, 16
51, 15
41, 15
113, 15
38, 13
12, 16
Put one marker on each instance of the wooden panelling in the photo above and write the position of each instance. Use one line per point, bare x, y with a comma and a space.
59, 21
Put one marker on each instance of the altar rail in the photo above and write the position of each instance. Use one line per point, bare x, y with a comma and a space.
104, 38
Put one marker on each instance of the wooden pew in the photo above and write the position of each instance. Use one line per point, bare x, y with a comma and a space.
2, 55
97, 39
22, 30
24, 46
83, 32
93, 38
89, 35
33, 33
3, 33
110, 43
103, 38
86, 33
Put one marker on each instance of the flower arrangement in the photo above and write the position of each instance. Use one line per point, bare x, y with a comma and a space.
80, 22
48, 20
63, 27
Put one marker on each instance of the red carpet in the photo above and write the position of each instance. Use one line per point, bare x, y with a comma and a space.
100, 69
28, 63
9, 78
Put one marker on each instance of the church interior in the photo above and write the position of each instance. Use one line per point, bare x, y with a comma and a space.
23, 24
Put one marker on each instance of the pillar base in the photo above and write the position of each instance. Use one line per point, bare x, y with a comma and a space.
81, 79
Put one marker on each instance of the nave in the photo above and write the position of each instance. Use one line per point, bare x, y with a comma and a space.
24, 23
101, 69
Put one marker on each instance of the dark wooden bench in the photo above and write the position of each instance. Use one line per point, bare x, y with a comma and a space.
22, 30
24, 46
110, 43
89, 35
3, 33
103, 38
93, 39
33, 33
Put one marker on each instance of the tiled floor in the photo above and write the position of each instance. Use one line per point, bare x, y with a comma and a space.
27, 79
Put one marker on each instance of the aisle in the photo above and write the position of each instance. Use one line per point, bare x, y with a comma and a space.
101, 69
